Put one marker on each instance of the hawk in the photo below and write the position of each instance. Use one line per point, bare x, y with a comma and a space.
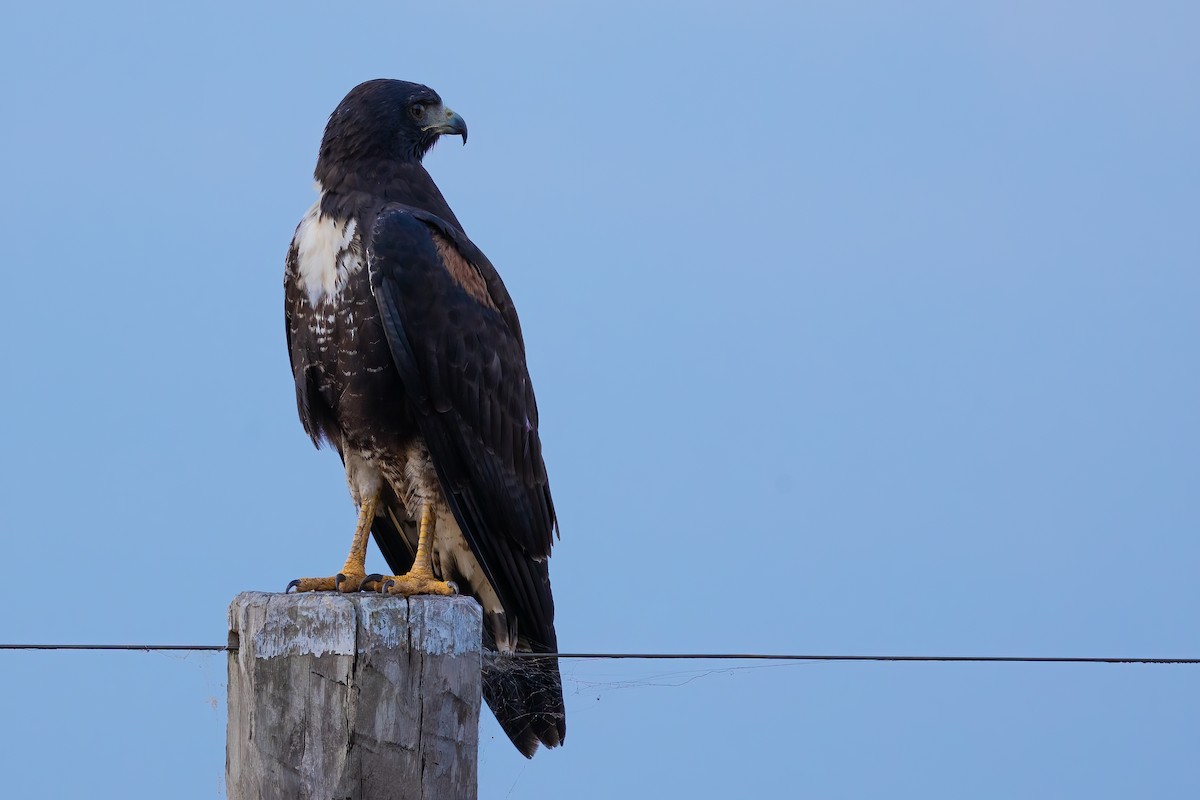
409, 361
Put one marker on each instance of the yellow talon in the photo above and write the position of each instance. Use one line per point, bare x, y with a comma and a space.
419, 580
354, 571
410, 584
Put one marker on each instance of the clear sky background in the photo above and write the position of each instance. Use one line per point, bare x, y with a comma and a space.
856, 328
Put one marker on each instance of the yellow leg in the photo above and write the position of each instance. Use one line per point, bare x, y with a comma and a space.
423, 560
420, 579
356, 561
353, 573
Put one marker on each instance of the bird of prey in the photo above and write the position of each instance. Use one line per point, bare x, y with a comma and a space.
409, 361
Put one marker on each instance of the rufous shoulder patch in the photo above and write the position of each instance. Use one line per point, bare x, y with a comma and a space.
462, 271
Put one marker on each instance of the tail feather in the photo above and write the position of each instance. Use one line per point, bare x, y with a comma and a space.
525, 694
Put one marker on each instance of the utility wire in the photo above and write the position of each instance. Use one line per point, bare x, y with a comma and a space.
797, 657
676, 656
142, 647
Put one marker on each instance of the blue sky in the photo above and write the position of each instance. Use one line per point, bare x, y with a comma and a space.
856, 328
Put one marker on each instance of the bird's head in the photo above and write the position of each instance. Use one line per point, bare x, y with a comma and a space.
387, 120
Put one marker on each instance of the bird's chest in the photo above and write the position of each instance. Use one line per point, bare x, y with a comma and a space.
345, 338
340, 329
328, 258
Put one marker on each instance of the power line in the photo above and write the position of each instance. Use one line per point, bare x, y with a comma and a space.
798, 657
142, 647
677, 656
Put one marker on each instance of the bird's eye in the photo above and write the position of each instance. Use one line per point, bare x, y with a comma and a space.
417, 110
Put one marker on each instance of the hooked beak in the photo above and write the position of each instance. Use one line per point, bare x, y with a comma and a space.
447, 122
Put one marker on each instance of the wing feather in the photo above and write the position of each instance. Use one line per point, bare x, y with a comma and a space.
458, 348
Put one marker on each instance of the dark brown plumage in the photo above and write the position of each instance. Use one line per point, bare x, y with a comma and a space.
409, 360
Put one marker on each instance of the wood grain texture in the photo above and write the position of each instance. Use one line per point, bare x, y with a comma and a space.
353, 697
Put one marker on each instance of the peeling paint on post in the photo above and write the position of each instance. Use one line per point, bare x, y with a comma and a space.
353, 697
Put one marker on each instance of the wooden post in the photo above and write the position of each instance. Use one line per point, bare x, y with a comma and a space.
353, 697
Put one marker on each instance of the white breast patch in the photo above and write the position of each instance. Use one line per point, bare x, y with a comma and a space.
325, 254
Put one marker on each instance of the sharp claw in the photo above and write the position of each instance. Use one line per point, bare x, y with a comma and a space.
390, 583
374, 577
453, 586
338, 580
294, 584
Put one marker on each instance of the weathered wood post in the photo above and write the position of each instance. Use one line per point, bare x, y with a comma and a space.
352, 697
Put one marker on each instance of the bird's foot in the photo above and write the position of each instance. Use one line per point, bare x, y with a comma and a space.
342, 582
408, 585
